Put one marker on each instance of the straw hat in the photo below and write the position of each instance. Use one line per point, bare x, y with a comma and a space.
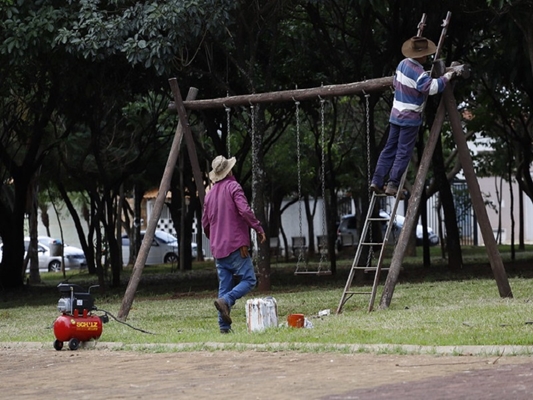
417, 47
221, 168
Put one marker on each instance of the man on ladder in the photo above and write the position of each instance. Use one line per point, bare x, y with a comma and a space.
412, 85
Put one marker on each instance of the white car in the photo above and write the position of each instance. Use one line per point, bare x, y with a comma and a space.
347, 234
164, 249
48, 261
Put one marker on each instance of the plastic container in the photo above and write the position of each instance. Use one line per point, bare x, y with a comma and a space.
296, 320
261, 314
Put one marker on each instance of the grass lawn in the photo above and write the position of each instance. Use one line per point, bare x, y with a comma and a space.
430, 307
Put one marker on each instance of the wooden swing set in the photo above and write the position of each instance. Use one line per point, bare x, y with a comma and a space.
448, 105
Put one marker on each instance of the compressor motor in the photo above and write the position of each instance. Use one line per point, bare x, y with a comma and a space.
77, 323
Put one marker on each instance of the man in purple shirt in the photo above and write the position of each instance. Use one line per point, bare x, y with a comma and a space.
227, 219
412, 85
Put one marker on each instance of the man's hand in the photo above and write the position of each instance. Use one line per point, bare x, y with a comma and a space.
449, 75
262, 237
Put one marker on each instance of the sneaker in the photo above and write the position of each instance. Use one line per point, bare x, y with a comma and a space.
376, 188
391, 189
224, 310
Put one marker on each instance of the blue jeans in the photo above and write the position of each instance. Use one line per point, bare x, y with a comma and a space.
227, 268
395, 156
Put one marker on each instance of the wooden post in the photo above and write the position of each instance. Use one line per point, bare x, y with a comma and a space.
189, 141
493, 254
412, 210
164, 187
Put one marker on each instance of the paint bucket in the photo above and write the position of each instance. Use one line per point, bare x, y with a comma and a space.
296, 320
261, 314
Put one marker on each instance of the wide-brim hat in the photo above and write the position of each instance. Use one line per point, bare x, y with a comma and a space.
417, 47
221, 168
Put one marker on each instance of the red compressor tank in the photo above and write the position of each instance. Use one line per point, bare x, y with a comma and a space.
75, 329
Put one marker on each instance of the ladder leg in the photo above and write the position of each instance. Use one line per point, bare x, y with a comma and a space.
355, 264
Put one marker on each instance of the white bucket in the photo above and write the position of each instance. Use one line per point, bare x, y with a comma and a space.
261, 313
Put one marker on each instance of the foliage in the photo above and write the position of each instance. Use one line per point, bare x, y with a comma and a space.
84, 95
151, 34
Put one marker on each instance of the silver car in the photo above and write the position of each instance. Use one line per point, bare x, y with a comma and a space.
49, 254
164, 249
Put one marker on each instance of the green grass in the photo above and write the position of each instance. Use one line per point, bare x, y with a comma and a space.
430, 307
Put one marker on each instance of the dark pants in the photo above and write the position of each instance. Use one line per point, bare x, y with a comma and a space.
396, 154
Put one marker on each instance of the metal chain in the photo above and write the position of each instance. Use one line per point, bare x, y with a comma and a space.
254, 177
369, 174
298, 155
323, 182
228, 139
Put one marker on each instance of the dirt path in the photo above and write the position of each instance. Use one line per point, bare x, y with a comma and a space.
34, 371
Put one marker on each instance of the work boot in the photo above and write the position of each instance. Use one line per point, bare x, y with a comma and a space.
375, 188
391, 189
224, 310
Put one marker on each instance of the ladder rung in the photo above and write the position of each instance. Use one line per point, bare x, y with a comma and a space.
358, 292
369, 268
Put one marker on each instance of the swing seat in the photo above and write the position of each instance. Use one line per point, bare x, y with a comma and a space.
299, 247
318, 273
322, 241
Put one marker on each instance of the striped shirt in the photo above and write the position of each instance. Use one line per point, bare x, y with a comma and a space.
411, 87
227, 218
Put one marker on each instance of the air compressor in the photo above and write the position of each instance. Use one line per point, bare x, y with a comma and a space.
77, 322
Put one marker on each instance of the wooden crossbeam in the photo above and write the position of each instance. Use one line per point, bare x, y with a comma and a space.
368, 86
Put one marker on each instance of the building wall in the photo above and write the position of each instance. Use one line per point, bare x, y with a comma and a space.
489, 189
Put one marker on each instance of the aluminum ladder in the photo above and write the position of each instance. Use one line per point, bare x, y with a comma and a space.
363, 242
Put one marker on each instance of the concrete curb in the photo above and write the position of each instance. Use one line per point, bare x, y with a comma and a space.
503, 350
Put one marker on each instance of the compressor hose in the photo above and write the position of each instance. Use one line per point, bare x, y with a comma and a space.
125, 323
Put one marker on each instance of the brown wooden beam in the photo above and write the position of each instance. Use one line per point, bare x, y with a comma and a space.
368, 86
189, 140
478, 204
411, 216
146, 243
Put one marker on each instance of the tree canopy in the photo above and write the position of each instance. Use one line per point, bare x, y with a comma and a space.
84, 96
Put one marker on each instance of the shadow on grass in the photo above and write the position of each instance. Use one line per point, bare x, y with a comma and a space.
202, 280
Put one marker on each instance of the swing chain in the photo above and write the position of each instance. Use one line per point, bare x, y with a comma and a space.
369, 172
254, 177
228, 139
298, 155
323, 182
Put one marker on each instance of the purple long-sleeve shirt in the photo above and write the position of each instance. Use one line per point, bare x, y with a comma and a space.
411, 87
227, 218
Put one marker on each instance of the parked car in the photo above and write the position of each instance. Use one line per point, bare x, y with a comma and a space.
432, 236
49, 254
348, 235
164, 249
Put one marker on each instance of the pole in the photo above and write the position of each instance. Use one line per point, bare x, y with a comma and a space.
480, 211
371, 85
164, 187
412, 211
